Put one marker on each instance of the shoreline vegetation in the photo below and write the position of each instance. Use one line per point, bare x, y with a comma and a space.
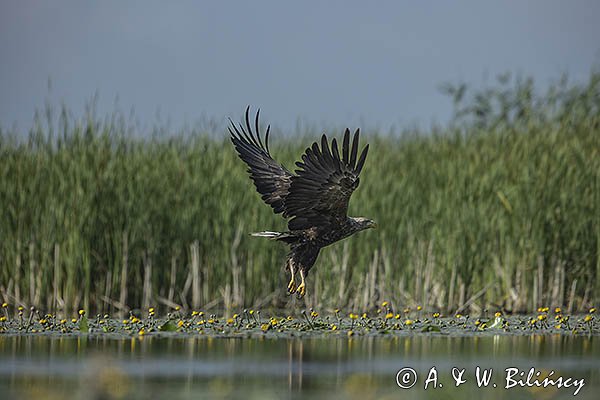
382, 320
499, 210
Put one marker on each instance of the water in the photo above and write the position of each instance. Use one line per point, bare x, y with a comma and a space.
195, 367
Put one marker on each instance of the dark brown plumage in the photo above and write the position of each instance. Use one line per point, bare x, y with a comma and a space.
315, 198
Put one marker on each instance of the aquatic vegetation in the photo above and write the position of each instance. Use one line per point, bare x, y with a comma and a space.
309, 323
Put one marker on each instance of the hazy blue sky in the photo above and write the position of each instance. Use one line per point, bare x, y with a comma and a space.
328, 62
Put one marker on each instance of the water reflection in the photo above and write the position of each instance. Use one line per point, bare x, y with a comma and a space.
45, 367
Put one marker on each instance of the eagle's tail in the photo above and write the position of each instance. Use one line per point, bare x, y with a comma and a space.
287, 237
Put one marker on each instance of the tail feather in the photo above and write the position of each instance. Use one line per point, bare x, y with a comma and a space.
283, 236
267, 234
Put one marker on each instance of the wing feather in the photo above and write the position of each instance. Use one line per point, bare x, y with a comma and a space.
361, 159
321, 189
336, 153
352, 162
271, 179
345, 146
318, 195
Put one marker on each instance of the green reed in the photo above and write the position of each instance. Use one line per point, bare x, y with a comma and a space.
500, 209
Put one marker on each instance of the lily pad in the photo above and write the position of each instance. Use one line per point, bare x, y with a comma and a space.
168, 326
431, 328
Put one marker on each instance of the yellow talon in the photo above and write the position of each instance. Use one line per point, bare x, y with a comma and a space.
292, 285
301, 290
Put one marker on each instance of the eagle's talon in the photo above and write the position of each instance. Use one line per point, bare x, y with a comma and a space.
301, 290
291, 286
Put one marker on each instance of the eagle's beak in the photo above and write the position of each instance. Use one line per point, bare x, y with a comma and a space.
374, 225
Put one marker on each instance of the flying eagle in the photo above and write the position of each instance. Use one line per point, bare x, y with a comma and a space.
315, 198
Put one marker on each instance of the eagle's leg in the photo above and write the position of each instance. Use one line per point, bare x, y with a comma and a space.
292, 284
301, 290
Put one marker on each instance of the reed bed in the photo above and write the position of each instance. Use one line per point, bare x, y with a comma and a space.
500, 209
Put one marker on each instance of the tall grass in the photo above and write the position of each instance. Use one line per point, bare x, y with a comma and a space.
500, 209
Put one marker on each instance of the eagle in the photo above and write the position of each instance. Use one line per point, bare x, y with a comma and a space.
314, 199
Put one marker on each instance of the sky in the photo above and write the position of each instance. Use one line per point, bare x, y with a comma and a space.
333, 63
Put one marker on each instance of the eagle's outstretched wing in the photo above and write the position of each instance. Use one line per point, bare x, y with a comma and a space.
319, 194
271, 179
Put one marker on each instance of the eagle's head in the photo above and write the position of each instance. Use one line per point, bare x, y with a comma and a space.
363, 223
